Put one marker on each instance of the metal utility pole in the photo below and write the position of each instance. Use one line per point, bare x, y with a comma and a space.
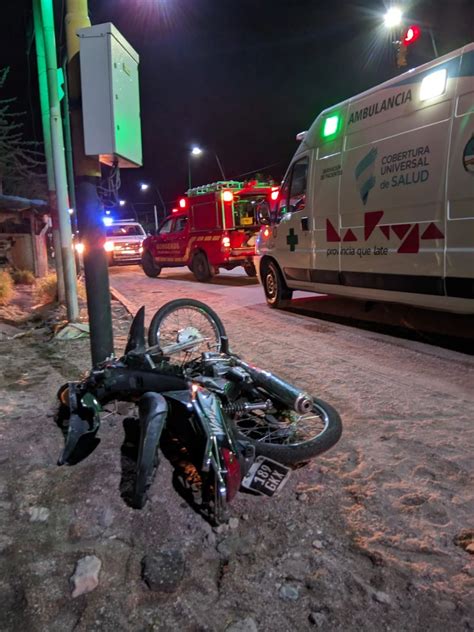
45, 113
57, 143
89, 208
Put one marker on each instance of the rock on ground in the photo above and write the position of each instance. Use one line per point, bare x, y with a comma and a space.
86, 575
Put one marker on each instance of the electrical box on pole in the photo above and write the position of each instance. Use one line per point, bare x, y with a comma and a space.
110, 96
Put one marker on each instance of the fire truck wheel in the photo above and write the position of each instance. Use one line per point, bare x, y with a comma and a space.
150, 268
201, 268
250, 270
276, 291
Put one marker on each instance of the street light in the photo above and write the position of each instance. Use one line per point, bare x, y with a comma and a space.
197, 151
393, 17
144, 186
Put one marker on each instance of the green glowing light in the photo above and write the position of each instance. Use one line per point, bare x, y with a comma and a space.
331, 125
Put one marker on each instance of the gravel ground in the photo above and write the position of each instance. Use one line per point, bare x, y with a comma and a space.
373, 536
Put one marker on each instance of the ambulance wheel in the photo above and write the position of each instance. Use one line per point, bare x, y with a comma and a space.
277, 292
201, 268
150, 268
250, 270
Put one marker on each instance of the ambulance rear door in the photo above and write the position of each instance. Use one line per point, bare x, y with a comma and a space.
460, 198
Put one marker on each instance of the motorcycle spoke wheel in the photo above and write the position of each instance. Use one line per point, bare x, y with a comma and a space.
181, 322
290, 437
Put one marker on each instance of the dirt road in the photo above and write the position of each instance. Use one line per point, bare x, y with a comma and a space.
364, 538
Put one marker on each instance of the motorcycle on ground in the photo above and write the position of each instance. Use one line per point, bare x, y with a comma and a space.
223, 423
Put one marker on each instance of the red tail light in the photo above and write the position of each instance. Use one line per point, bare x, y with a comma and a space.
182, 203
234, 474
274, 193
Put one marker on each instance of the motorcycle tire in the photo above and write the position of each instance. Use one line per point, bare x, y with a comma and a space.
289, 450
158, 336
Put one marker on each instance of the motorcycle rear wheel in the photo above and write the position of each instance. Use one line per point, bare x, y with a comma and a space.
182, 320
288, 437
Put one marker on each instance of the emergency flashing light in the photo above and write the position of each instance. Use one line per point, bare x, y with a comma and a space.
107, 221
79, 247
182, 203
434, 84
227, 196
109, 246
226, 242
274, 194
174, 210
412, 33
331, 125
266, 232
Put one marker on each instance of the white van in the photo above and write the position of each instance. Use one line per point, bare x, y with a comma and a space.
378, 201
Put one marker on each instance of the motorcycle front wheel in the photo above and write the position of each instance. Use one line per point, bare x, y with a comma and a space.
185, 328
289, 437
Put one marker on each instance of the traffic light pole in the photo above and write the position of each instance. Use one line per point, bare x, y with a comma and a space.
89, 208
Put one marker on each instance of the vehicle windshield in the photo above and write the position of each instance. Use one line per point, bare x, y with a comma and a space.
125, 230
245, 209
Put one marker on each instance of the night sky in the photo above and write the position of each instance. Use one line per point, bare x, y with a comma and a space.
238, 77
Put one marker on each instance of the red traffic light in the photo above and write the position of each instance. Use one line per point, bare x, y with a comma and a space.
412, 33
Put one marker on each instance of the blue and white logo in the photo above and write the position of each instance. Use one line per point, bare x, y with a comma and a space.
364, 173
468, 156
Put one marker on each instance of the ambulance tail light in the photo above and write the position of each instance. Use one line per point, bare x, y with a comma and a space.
227, 196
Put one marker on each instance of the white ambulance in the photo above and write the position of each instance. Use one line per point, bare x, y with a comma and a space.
378, 201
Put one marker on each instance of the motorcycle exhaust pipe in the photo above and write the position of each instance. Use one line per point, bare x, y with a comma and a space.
298, 400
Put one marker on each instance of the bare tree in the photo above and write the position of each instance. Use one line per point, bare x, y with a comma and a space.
22, 164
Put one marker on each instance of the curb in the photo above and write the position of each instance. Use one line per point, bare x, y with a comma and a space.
131, 308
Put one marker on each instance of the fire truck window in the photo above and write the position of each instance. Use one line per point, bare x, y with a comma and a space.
299, 179
180, 224
166, 228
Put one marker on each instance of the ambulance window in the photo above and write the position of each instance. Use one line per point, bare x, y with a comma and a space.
282, 208
299, 179
180, 224
166, 228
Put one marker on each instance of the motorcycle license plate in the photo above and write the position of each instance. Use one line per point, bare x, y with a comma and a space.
266, 477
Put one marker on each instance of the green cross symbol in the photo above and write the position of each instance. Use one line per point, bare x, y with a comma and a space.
292, 239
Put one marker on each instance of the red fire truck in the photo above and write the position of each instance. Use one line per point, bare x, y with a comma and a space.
215, 226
